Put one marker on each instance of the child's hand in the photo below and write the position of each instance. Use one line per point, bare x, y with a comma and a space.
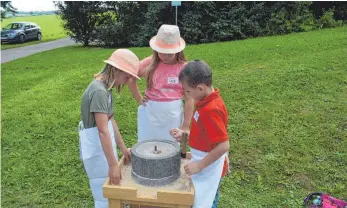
144, 100
192, 168
176, 133
127, 156
114, 174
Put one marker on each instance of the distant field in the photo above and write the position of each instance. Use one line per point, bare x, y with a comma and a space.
50, 25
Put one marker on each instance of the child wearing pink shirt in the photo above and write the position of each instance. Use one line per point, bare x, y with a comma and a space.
161, 108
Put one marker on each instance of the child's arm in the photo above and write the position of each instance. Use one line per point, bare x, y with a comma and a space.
120, 142
195, 167
114, 172
132, 84
188, 112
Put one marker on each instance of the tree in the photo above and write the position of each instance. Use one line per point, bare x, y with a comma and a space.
123, 23
340, 9
7, 7
153, 14
124, 28
81, 18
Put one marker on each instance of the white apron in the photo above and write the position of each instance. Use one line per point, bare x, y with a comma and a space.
94, 160
207, 181
156, 119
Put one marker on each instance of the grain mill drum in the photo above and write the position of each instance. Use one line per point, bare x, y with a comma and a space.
155, 162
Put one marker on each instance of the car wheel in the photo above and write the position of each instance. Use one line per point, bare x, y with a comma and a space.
38, 36
21, 39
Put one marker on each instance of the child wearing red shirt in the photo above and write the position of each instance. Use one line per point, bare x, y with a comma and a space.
208, 137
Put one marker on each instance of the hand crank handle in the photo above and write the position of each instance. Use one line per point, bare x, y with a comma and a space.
184, 144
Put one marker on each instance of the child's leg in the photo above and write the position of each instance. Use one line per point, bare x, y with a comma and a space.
215, 201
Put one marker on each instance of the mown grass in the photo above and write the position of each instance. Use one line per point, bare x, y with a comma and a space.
51, 26
286, 99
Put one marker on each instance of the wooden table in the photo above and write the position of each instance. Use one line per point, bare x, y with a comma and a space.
119, 195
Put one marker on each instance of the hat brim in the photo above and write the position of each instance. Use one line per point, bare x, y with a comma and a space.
112, 63
157, 48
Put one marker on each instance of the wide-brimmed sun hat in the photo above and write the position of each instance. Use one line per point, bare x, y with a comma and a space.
125, 60
168, 40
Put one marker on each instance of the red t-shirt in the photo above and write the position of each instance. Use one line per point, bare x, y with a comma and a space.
209, 124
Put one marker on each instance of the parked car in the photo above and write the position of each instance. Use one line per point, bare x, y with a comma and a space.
20, 32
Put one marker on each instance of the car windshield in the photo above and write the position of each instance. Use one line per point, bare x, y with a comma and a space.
13, 26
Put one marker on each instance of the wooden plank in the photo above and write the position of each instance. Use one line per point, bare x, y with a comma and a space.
165, 198
129, 193
181, 198
112, 203
151, 205
118, 192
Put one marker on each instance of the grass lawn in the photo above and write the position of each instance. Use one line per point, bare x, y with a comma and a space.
286, 99
50, 25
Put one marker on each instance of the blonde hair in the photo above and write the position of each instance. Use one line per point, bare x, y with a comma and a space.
109, 75
150, 69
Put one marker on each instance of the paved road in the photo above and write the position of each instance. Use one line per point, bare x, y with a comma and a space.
15, 53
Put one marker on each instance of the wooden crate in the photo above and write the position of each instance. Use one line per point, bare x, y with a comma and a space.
119, 195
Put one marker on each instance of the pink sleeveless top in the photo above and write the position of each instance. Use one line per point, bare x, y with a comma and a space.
166, 86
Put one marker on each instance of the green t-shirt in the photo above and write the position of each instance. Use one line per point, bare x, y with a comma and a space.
95, 99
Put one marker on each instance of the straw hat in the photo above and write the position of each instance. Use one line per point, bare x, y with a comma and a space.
125, 60
168, 40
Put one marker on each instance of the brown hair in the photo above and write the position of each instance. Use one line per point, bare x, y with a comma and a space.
180, 58
108, 76
195, 73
